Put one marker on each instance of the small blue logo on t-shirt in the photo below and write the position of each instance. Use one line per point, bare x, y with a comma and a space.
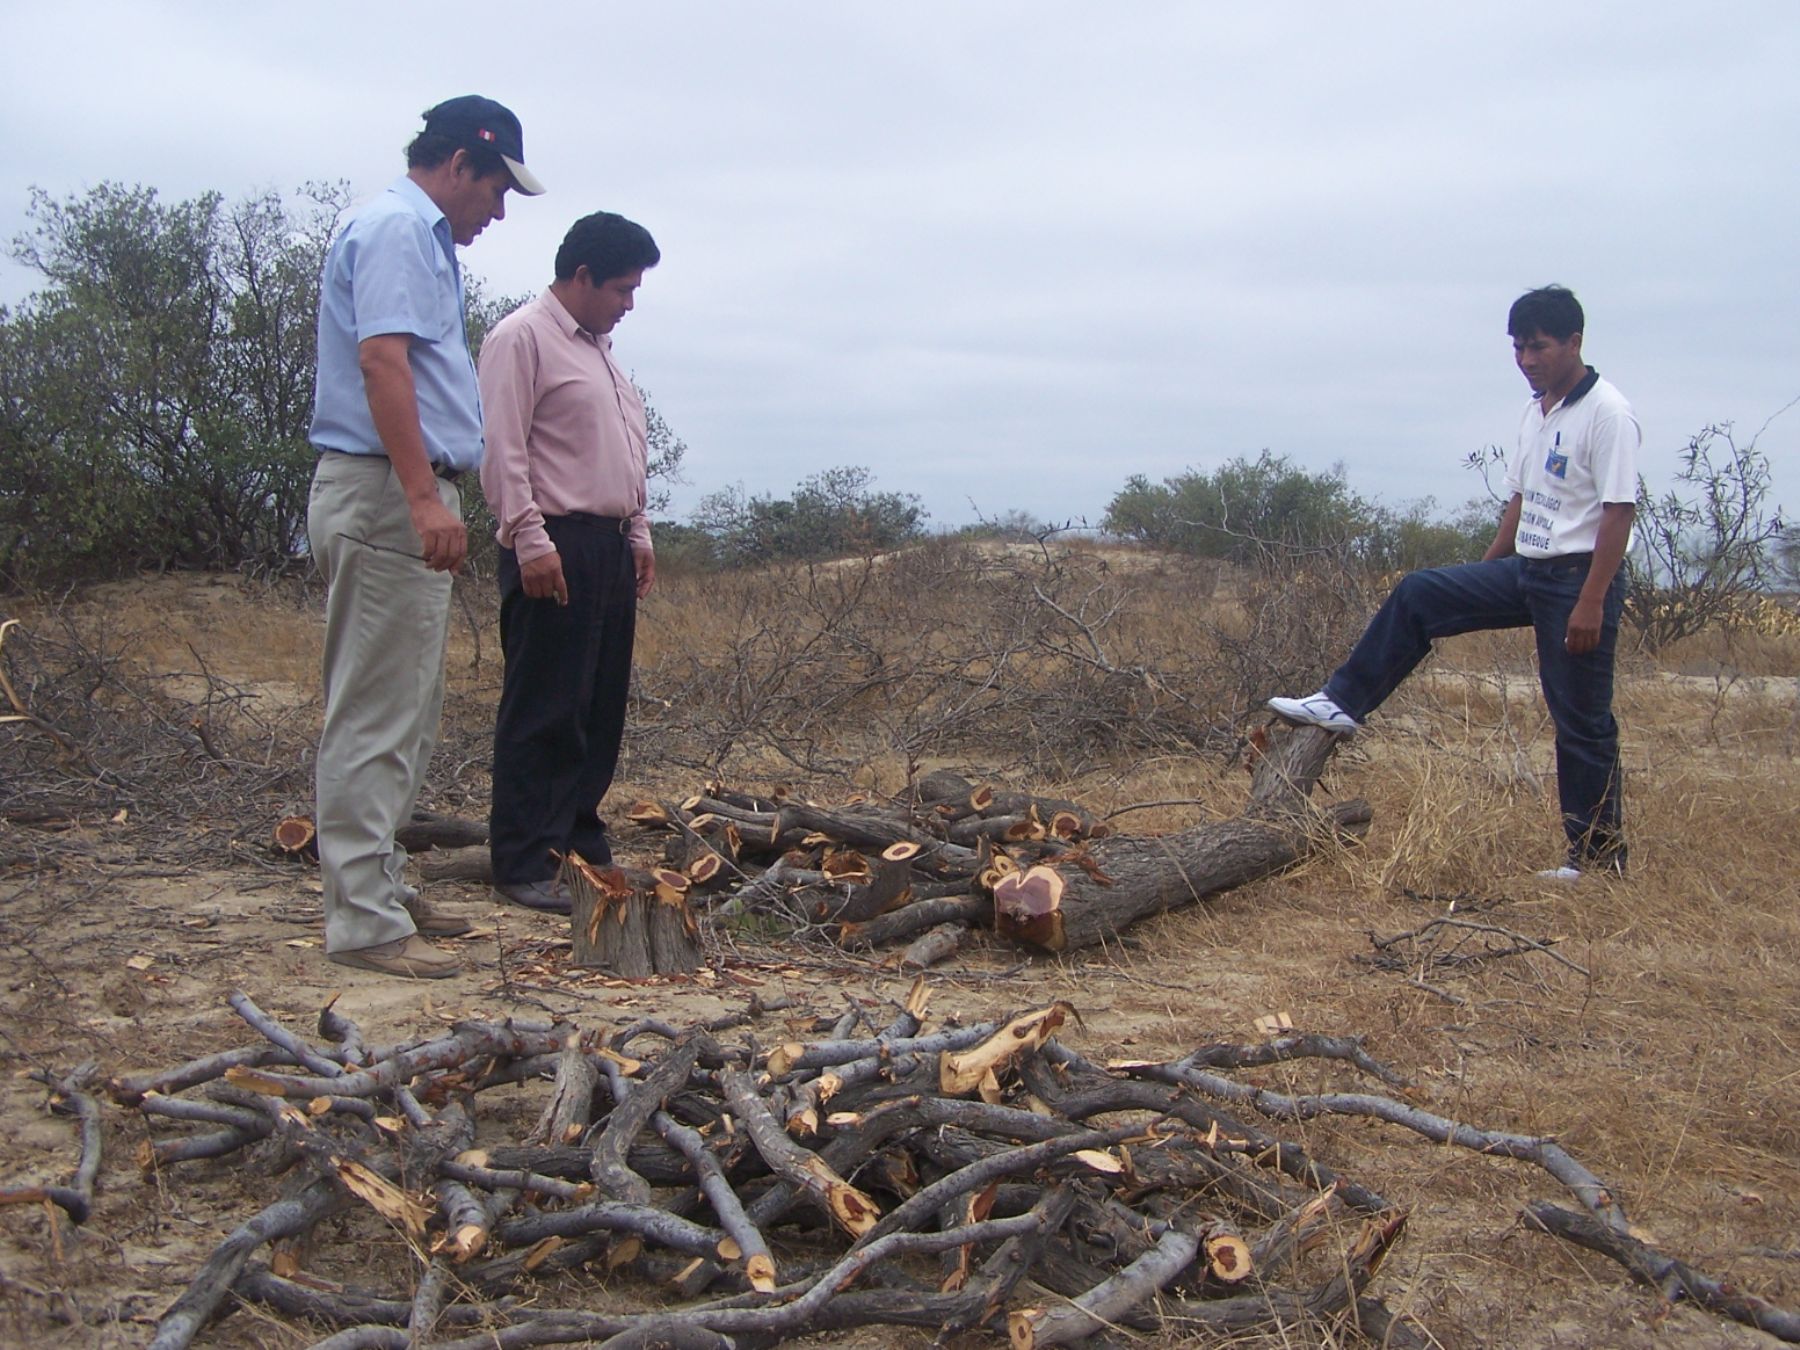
1556, 463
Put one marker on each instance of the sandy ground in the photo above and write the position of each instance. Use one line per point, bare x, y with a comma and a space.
122, 949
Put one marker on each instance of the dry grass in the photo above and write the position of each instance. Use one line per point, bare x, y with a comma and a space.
1670, 1064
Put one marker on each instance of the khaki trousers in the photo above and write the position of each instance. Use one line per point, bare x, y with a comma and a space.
387, 617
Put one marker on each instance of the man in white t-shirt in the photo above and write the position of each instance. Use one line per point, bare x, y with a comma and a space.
1554, 565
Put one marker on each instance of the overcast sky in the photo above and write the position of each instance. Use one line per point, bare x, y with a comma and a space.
1006, 254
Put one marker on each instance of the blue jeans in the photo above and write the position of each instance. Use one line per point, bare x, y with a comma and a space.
1513, 592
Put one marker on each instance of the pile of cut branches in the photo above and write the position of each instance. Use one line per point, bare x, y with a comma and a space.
947, 857
957, 1178
962, 1177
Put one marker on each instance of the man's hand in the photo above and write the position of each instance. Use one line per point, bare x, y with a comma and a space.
645, 563
543, 578
1586, 619
441, 531
1584, 627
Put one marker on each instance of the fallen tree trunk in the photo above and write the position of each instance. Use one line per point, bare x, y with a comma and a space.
1090, 896
1120, 881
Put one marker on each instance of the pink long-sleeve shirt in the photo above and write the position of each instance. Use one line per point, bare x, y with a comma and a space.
565, 428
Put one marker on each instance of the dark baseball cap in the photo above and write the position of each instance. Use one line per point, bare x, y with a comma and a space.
473, 121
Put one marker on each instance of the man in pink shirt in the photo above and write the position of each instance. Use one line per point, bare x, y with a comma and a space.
564, 474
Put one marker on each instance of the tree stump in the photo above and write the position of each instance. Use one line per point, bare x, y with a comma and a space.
635, 924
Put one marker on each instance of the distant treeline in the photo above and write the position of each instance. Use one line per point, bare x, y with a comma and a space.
156, 390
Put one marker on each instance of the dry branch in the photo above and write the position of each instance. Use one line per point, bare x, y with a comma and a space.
1672, 1278
69, 1096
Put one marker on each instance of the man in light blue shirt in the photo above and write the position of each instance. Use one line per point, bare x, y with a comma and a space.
397, 420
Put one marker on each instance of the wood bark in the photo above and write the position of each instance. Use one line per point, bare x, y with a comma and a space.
636, 924
914, 918
937, 944
1103, 1305
457, 864
674, 935
430, 830
570, 1109
610, 921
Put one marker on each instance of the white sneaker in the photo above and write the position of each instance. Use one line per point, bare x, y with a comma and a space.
1611, 869
1315, 710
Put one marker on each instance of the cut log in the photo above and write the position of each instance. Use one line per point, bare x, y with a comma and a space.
1126, 880
745, 800
998, 829
570, 1109
915, 918
457, 864
706, 848
938, 944
941, 785
635, 924
1227, 1255
1028, 907
650, 815
707, 872
1081, 823
429, 830
848, 1207
964, 1071
860, 827
1107, 1302
886, 886
1110, 884
297, 837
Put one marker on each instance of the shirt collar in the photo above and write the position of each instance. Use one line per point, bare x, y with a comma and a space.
566, 321
431, 213
1579, 392
417, 198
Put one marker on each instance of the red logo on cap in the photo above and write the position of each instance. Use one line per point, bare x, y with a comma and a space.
485, 134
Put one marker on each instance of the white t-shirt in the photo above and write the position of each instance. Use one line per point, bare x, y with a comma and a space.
1570, 461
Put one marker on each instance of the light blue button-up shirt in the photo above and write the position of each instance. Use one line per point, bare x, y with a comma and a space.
393, 269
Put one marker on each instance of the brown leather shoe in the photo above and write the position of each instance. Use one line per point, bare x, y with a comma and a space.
410, 957
434, 922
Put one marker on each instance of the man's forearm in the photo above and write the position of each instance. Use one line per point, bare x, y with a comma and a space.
1609, 548
394, 408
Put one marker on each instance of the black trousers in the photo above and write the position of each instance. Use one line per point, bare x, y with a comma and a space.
562, 705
